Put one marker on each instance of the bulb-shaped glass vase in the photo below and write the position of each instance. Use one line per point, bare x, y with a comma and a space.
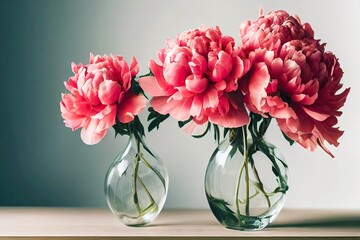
136, 184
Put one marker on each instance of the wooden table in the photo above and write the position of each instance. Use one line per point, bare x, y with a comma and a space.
178, 224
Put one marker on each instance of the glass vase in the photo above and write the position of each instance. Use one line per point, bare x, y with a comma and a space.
246, 181
136, 184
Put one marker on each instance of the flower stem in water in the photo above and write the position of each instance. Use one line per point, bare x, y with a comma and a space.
247, 181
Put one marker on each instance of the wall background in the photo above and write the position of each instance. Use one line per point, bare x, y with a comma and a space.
42, 163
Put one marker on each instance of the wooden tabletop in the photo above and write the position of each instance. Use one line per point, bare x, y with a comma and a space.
179, 224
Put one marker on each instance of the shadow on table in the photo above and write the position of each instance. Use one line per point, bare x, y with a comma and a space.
348, 222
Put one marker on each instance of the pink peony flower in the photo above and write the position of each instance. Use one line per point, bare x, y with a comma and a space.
272, 31
300, 89
99, 94
196, 77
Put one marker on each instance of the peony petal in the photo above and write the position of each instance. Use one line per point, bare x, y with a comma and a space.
134, 67
89, 134
131, 106
315, 113
109, 92
178, 109
258, 83
233, 119
222, 67
158, 74
107, 118
220, 86
150, 85
196, 106
211, 98
196, 85
175, 74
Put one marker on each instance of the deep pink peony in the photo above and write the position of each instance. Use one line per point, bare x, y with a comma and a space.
197, 77
99, 94
272, 31
300, 88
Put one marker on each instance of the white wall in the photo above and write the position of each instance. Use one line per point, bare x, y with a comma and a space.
59, 169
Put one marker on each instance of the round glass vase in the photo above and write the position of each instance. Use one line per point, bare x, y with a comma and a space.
136, 184
246, 182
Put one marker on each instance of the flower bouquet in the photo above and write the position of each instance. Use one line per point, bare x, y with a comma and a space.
208, 83
279, 71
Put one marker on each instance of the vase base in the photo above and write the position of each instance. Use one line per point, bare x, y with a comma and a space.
138, 221
248, 224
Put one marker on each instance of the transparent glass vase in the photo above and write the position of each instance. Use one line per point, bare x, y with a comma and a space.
136, 184
246, 182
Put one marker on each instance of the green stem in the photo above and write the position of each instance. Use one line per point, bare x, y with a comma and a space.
135, 175
136, 178
261, 185
238, 190
146, 190
152, 169
247, 181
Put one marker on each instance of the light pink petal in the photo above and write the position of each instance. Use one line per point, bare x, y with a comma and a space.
178, 109
134, 67
109, 92
196, 106
150, 85
257, 84
315, 113
90, 93
182, 110
176, 96
89, 134
71, 120
107, 118
125, 75
233, 119
131, 106
211, 98
175, 74
185, 92
157, 70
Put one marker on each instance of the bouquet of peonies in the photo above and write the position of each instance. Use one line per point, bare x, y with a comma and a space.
205, 81
279, 71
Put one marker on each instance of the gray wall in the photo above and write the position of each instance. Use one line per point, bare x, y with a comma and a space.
42, 163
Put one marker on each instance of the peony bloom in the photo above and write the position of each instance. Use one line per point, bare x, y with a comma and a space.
197, 77
99, 94
272, 31
300, 88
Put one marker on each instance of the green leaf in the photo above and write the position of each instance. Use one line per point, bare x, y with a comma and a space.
216, 133
137, 126
291, 142
155, 119
275, 171
204, 133
121, 128
269, 152
147, 75
183, 123
221, 211
226, 130
135, 87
